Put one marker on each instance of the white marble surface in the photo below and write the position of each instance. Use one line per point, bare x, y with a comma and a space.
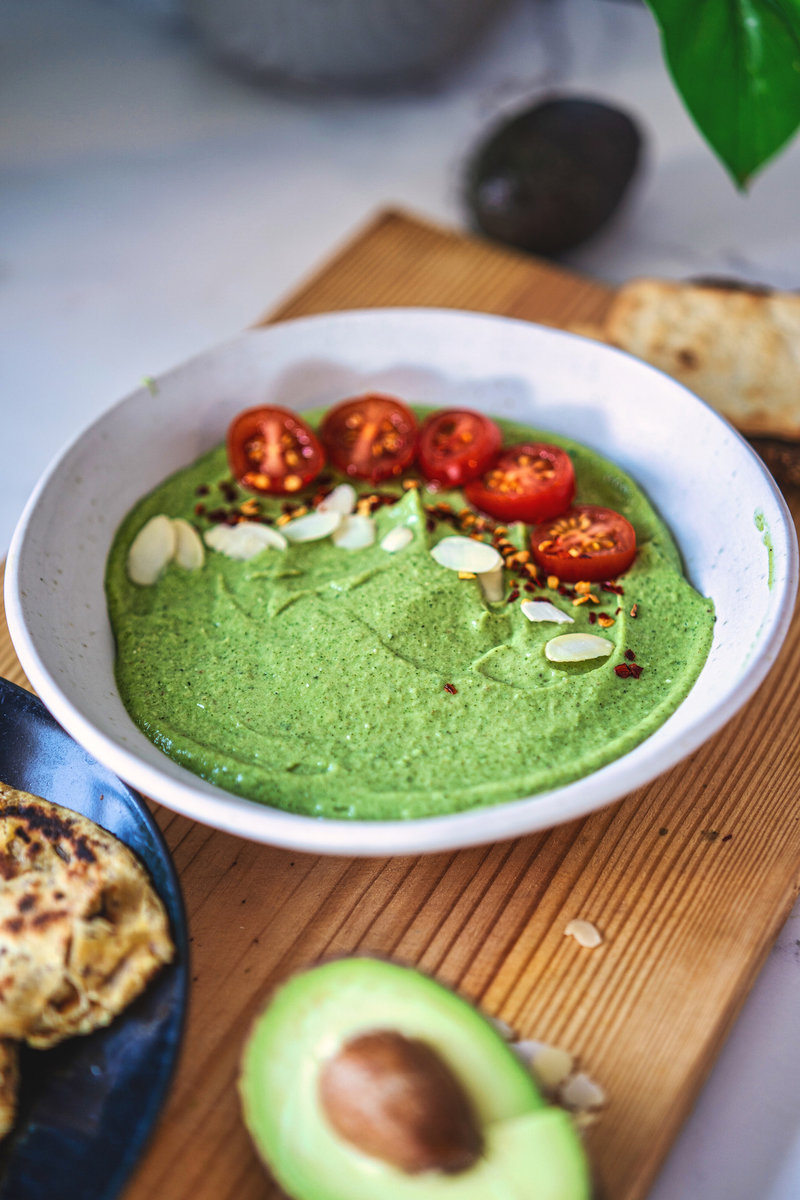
152, 205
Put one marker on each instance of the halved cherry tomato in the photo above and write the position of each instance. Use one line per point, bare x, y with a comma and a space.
272, 449
588, 542
457, 445
370, 437
531, 483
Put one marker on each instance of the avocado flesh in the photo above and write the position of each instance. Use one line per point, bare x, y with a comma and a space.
532, 1151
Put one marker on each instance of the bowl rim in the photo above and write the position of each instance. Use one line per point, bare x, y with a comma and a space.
323, 835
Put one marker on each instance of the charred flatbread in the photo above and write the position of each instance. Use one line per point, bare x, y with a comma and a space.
735, 345
82, 930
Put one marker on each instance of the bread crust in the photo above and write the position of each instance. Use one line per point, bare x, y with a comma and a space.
82, 930
735, 345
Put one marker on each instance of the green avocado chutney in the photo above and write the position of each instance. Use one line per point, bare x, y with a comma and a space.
313, 678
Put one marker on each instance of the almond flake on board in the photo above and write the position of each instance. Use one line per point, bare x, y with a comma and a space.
555, 1071
585, 933
151, 550
551, 1066
580, 1093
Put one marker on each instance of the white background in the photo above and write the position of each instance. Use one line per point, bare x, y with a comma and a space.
152, 204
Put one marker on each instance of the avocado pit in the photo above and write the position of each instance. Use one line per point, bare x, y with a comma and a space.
395, 1098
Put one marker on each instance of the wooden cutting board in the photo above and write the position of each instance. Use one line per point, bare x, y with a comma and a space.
689, 879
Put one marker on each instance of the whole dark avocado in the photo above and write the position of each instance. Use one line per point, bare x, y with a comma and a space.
553, 175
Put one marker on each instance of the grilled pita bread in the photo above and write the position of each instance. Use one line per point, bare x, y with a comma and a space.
81, 929
736, 346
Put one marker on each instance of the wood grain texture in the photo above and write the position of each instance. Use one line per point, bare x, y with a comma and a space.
689, 879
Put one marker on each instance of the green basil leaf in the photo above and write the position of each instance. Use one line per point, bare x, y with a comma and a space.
736, 63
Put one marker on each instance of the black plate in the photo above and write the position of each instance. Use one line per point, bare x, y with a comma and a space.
88, 1106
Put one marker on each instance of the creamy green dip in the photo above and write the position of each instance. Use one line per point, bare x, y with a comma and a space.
313, 678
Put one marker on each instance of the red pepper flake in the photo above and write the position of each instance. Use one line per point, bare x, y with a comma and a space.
202, 489
623, 670
531, 587
635, 611
631, 657
199, 510
635, 670
451, 688
514, 596
609, 586
592, 618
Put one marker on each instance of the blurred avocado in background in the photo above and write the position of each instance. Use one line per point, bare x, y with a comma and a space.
551, 176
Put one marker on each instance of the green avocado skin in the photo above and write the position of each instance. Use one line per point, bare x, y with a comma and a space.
313, 679
532, 1151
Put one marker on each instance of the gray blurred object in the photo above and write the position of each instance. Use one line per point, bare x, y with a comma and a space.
342, 43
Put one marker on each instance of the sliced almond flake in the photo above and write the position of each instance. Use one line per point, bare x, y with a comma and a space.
577, 647
492, 585
312, 527
466, 554
354, 533
151, 550
245, 540
526, 1050
584, 933
341, 500
543, 610
552, 1066
189, 550
580, 1092
502, 1027
397, 539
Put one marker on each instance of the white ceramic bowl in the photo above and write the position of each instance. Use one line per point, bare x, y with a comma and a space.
731, 523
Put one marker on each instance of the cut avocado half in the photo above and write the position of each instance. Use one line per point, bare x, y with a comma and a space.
530, 1151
